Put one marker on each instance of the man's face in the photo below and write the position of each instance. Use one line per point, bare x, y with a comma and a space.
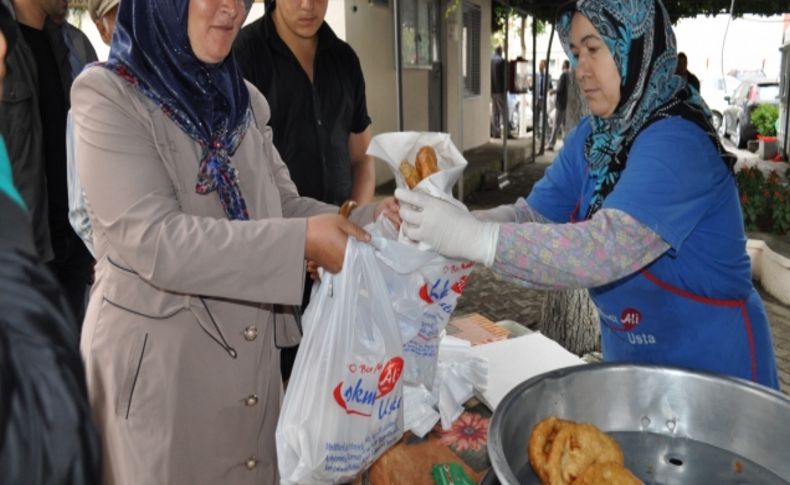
542, 66
56, 9
301, 17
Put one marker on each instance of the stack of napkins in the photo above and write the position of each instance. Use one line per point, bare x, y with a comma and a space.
511, 362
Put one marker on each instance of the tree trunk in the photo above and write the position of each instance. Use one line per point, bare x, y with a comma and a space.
521, 36
570, 318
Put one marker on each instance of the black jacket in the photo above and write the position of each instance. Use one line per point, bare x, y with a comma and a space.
46, 432
21, 127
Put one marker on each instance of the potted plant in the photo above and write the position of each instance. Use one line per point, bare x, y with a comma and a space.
764, 119
765, 200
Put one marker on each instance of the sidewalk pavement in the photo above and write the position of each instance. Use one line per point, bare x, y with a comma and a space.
498, 300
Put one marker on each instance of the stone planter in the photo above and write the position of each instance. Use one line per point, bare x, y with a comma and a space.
767, 148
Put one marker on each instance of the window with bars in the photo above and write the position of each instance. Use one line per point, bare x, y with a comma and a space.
471, 49
419, 32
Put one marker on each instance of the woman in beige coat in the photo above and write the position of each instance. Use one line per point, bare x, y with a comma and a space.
201, 240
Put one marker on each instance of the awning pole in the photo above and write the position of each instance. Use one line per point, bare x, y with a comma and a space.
398, 67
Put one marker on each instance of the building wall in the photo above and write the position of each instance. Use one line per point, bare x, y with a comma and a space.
369, 30
415, 99
470, 114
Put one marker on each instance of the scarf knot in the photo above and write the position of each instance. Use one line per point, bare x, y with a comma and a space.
215, 172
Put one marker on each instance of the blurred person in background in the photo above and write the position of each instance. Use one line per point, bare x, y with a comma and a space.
81, 51
497, 93
543, 85
46, 433
33, 122
560, 104
103, 13
682, 71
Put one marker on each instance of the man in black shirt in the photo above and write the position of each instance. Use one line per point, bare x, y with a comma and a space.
46, 431
33, 122
497, 93
314, 85
542, 85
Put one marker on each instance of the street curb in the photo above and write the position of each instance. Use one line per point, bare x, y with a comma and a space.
771, 269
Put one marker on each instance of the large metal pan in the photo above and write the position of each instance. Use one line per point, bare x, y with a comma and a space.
674, 425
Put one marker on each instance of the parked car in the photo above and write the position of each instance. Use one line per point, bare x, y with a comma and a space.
714, 91
737, 116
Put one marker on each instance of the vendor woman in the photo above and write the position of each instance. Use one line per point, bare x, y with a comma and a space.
640, 206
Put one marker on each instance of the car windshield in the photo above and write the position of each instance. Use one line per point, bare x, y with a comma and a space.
768, 92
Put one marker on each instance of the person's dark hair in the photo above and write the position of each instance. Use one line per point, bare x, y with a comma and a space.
498, 50
566, 64
682, 56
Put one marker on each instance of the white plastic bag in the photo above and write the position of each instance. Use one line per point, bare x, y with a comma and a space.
342, 409
424, 288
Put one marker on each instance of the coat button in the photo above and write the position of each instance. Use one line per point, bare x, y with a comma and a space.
250, 333
251, 400
251, 463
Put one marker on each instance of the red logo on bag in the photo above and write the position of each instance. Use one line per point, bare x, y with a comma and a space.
389, 376
459, 285
357, 399
424, 294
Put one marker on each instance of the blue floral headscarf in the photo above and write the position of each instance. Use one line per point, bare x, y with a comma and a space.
639, 36
209, 102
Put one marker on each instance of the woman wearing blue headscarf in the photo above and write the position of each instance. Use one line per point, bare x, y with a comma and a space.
640, 206
200, 241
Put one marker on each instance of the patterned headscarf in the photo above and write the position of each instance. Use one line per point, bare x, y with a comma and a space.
639, 36
209, 102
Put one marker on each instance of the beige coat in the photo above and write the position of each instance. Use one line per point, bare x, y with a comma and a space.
179, 337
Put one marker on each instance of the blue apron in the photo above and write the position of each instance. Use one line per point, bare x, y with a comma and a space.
646, 320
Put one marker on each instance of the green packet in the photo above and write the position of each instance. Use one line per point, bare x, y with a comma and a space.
450, 474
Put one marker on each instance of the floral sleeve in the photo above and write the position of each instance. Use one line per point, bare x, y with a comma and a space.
587, 254
525, 213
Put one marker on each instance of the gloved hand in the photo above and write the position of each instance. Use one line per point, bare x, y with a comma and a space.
503, 214
446, 228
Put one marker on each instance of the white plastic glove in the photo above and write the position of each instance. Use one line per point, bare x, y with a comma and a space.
503, 214
447, 229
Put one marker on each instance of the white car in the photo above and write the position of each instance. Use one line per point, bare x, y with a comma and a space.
713, 92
